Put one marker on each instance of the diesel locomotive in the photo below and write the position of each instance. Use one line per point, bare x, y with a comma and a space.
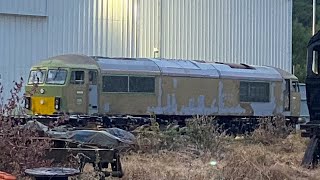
92, 85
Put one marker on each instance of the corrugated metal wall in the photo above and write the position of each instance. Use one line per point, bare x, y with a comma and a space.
26, 8
254, 32
22, 42
95, 27
248, 31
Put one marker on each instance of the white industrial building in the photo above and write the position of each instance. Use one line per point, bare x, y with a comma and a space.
247, 31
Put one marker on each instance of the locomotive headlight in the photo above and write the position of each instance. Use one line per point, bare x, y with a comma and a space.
57, 102
42, 91
42, 102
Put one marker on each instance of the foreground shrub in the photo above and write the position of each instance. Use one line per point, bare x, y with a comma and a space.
206, 135
272, 130
200, 136
19, 146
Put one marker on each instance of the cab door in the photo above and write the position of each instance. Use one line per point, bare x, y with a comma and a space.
77, 92
287, 96
292, 98
93, 92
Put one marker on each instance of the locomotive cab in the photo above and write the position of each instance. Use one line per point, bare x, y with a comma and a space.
291, 94
44, 89
63, 84
313, 77
292, 98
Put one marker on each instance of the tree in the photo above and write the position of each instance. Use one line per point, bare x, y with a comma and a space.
299, 49
302, 29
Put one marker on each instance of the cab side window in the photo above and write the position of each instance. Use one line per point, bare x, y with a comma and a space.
295, 86
77, 77
315, 63
287, 96
93, 77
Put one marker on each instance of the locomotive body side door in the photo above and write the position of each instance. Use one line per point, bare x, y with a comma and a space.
93, 92
77, 92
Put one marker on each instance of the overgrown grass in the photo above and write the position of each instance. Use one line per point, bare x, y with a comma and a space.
200, 136
273, 151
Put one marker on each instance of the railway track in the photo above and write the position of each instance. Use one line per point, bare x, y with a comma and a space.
123, 122
130, 123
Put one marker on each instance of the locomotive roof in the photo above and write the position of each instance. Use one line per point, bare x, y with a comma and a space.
193, 68
285, 74
69, 60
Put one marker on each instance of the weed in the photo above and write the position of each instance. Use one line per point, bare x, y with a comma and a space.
20, 148
271, 130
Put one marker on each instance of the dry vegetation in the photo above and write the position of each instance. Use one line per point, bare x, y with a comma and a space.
198, 151
18, 148
271, 152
